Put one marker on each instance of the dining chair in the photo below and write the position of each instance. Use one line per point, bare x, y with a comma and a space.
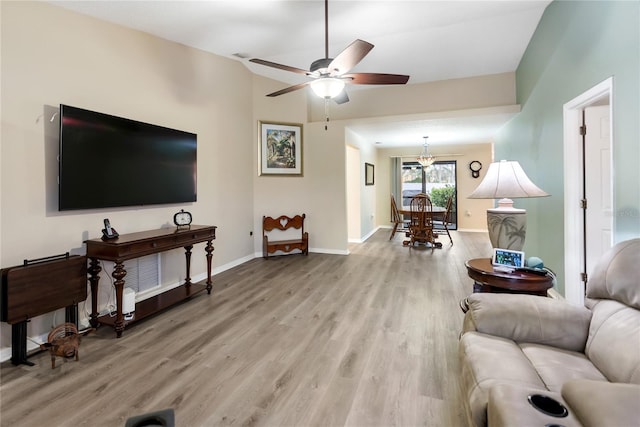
442, 226
421, 223
399, 224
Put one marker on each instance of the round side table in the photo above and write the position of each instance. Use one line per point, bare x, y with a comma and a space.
517, 282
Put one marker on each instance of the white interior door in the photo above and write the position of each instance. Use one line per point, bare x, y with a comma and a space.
599, 213
575, 188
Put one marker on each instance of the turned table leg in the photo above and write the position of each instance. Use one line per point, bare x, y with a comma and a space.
118, 274
94, 279
209, 250
187, 255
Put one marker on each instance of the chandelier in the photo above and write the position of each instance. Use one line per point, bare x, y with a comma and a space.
425, 159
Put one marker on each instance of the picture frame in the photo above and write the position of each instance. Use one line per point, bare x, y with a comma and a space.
279, 149
369, 174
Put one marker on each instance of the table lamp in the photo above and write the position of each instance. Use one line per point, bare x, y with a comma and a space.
505, 180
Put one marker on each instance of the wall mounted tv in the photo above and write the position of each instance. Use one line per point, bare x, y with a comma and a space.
107, 161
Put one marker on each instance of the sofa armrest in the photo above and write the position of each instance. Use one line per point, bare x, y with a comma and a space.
509, 406
600, 403
528, 318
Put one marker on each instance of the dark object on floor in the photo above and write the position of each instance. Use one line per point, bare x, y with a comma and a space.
163, 418
63, 341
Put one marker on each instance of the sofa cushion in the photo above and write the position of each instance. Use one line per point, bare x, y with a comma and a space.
603, 404
489, 360
616, 276
614, 341
556, 366
525, 318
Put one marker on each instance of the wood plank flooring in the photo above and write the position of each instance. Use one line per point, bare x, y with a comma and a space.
368, 339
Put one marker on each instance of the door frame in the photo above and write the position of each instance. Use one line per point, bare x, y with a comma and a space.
574, 230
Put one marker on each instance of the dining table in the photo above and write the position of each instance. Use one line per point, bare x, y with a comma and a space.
437, 214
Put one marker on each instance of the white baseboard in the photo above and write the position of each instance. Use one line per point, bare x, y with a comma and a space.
230, 265
329, 251
5, 352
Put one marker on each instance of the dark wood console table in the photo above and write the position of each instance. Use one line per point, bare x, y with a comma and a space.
136, 245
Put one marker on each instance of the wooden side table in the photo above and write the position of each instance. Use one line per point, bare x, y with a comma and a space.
517, 282
485, 279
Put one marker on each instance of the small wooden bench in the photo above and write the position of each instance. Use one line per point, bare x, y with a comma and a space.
284, 223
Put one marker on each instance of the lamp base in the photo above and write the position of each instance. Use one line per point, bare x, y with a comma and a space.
507, 227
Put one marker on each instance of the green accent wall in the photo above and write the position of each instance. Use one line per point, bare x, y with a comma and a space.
577, 45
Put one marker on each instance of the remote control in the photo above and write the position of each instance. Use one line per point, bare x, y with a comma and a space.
537, 271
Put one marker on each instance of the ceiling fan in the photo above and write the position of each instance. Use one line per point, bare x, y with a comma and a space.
330, 74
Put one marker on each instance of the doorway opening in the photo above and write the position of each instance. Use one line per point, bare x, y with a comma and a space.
588, 181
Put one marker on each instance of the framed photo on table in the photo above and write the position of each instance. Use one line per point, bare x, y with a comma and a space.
369, 177
280, 149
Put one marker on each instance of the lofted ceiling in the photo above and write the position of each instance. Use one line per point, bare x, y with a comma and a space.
428, 40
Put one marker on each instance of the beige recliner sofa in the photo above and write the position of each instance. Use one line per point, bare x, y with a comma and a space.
584, 361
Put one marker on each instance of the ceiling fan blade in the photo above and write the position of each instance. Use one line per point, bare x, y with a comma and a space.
349, 57
342, 97
376, 79
279, 66
289, 89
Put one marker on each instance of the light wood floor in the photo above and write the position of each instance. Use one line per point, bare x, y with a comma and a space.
368, 339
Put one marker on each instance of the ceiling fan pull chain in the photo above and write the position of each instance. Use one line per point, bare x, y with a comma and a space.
326, 112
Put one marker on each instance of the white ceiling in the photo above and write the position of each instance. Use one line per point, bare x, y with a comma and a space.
447, 128
428, 40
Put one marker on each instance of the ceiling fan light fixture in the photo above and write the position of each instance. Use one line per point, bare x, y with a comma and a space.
327, 87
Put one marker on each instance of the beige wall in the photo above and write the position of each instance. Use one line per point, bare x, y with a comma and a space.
475, 96
354, 185
472, 214
320, 192
367, 216
52, 56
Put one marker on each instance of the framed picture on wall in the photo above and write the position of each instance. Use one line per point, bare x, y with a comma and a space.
368, 174
280, 149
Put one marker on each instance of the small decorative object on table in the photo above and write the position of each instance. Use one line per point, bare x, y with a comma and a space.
63, 341
108, 232
182, 219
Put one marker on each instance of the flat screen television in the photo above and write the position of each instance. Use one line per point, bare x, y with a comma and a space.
107, 161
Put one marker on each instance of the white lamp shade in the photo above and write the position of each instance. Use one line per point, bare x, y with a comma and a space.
327, 87
506, 179
506, 225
